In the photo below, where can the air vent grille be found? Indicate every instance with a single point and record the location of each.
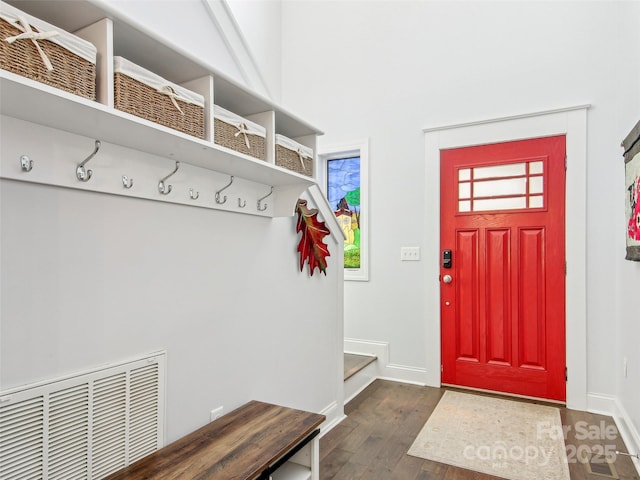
(601, 466)
(68, 433)
(21, 439)
(83, 427)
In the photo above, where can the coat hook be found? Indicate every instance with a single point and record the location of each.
(166, 189)
(242, 203)
(263, 208)
(192, 195)
(127, 182)
(82, 173)
(26, 163)
(224, 199)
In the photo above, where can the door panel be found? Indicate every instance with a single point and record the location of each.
(531, 316)
(468, 332)
(498, 328)
(502, 215)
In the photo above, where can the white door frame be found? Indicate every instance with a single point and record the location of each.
(571, 122)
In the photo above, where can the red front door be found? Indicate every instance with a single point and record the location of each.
(503, 289)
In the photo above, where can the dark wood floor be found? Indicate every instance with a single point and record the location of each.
(383, 421)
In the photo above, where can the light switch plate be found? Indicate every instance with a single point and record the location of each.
(410, 254)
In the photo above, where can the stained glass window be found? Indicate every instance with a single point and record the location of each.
(343, 193)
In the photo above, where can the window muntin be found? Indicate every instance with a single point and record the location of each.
(505, 187)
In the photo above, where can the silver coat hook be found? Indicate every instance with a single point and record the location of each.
(162, 187)
(192, 195)
(260, 207)
(127, 182)
(82, 173)
(224, 199)
(26, 163)
(242, 203)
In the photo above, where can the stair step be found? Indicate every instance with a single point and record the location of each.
(353, 363)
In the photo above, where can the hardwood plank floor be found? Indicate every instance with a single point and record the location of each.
(383, 421)
(353, 363)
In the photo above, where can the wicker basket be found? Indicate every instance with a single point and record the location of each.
(239, 134)
(72, 60)
(149, 96)
(293, 156)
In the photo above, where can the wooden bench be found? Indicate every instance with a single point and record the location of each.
(251, 442)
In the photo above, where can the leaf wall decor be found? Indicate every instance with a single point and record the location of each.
(311, 247)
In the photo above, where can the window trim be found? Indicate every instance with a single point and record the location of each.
(344, 150)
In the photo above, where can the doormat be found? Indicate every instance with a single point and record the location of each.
(504, 438)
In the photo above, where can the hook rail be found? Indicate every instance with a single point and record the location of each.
(261, 207)
(163, 188)
(224, 199)
(81, 172)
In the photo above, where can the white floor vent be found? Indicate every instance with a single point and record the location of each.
(83, 427)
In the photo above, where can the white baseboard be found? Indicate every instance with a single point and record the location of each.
(368, 347)
(405, 374)
(611, 406)
(386, 370)
(601, 404)
(628, 432)
(334, 417)
(354, 385)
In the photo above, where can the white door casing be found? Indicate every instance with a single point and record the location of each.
(572, 122)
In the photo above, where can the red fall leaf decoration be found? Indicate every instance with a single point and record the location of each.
(311, 247)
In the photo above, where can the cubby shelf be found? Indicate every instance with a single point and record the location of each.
(40, 104)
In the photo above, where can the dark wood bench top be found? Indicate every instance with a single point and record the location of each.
(237, 446)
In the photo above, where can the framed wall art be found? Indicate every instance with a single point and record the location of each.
(631, 145)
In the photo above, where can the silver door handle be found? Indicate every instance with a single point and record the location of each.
(447, 279)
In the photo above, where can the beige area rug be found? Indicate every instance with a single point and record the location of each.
(505, 438)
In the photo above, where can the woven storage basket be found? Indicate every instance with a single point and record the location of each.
(147, 95)
(239, 134)
(72, 59)
(293, 156)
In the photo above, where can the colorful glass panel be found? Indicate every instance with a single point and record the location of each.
(343, 193)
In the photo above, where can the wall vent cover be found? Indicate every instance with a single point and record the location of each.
(601, 466)
(83, 427)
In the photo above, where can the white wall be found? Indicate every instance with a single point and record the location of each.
(261, 24)
(88, 279)
(184, 23)
(628, 273)
(386, 70)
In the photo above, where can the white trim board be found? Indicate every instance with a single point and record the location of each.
(507, 118)
(386, 370)
(368, 347)
(569, 121)
(322, 204)
(237, 45)
(334, 417)
(354, 385)
(610, 405)
(628, 432)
